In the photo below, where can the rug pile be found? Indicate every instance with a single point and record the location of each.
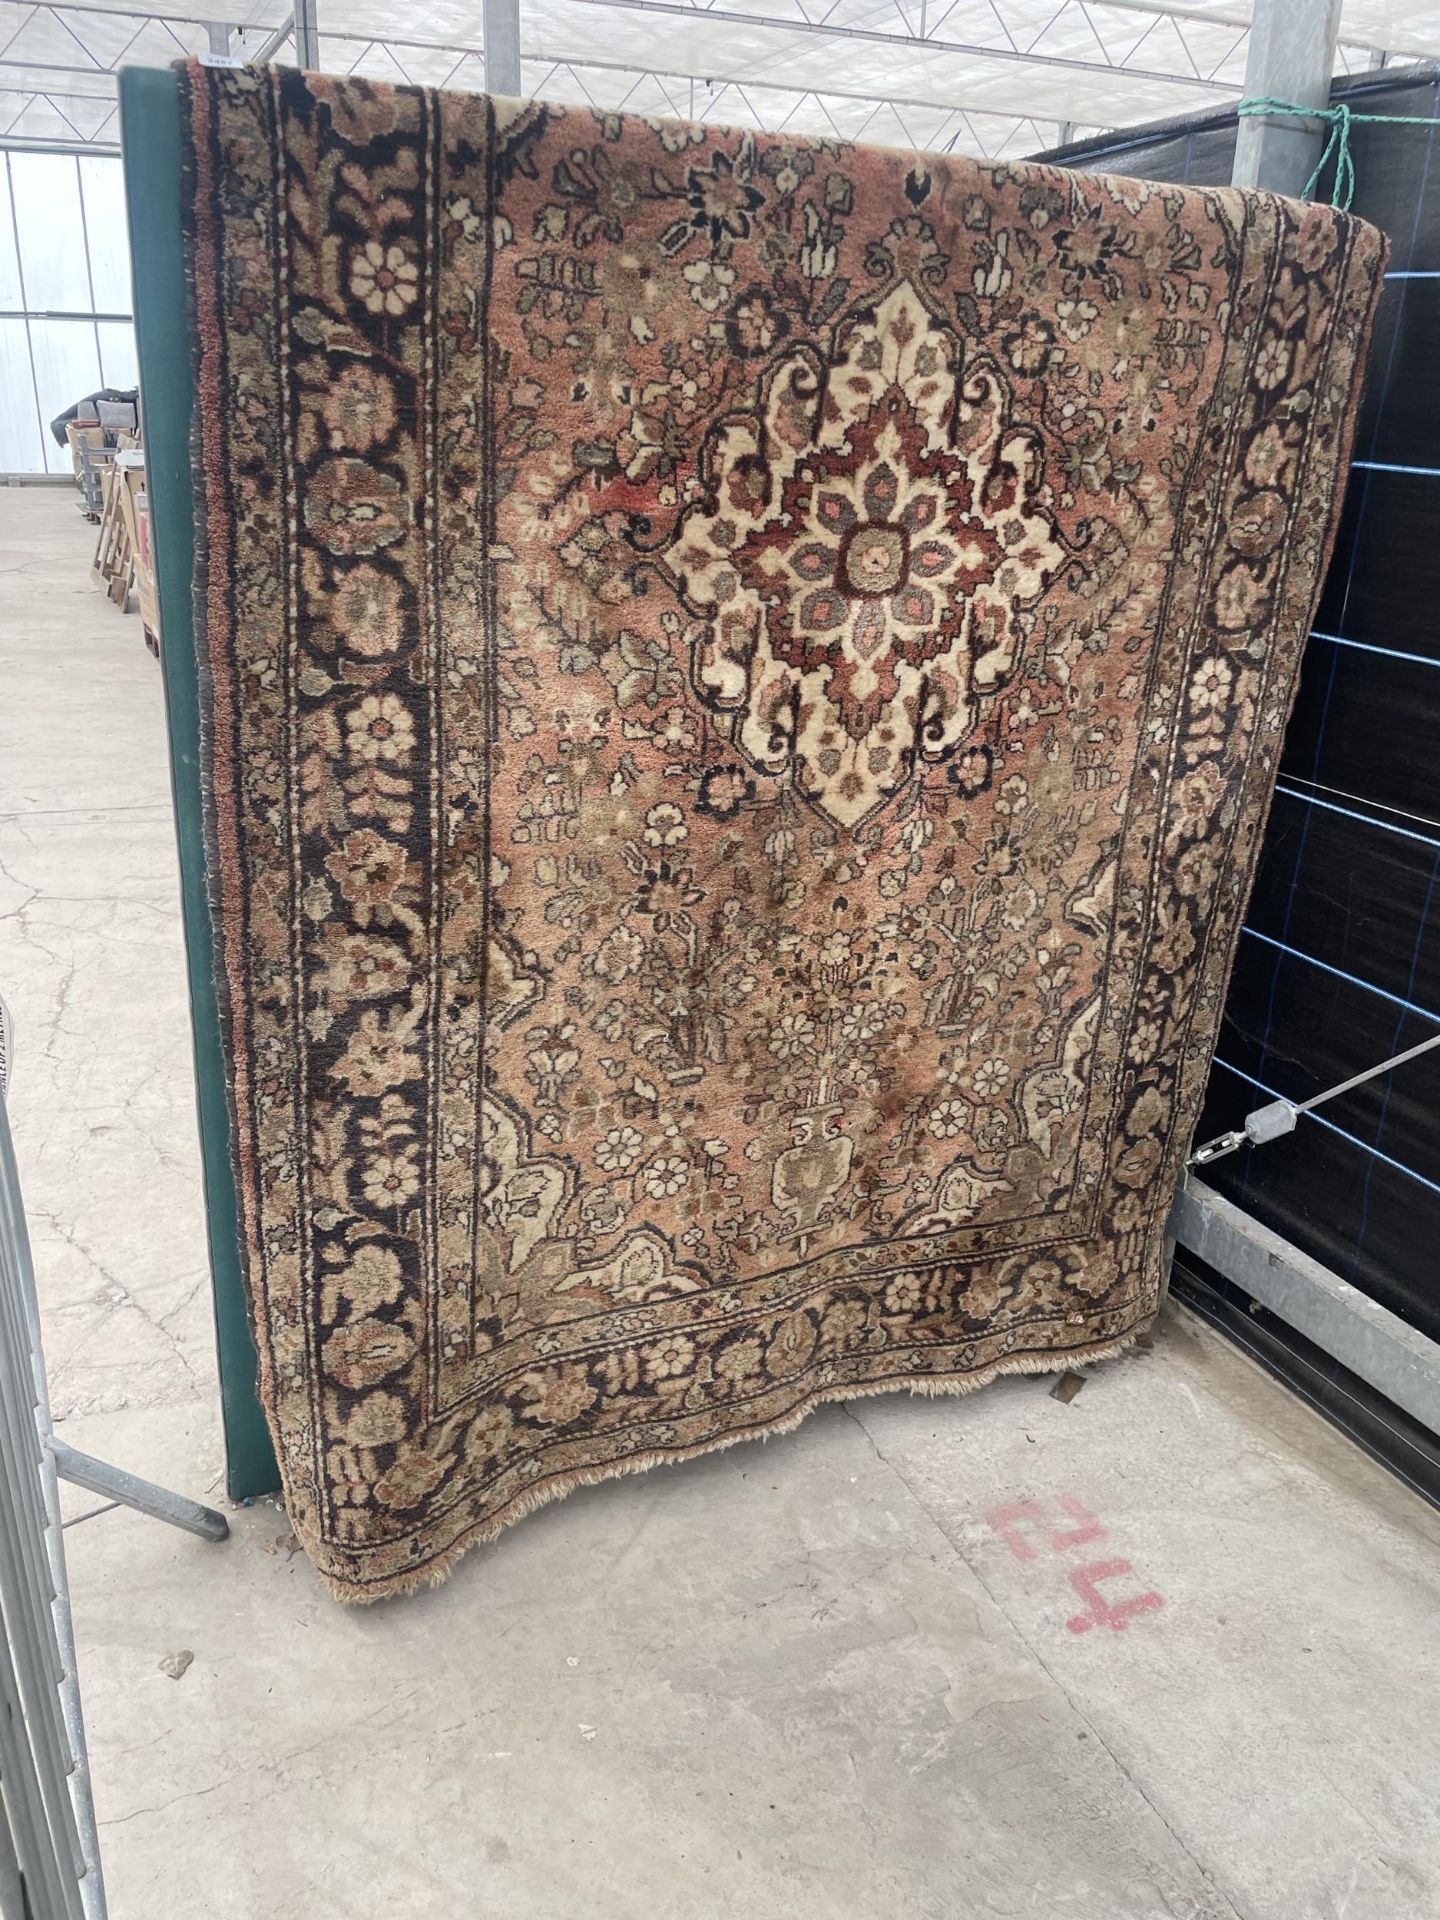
(742, 679)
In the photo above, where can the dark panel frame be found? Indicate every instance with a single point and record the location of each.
(151, 145)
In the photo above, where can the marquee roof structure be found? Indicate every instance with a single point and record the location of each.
(989, 77)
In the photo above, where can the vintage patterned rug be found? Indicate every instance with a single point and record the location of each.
(743, 677)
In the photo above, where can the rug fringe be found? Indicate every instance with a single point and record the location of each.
(440, 1566)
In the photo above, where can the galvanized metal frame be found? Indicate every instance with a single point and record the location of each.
(49, 1852)
(307, 35)
(502, 47)
(49, 1841)
(1373, 1343)
(1291, 57)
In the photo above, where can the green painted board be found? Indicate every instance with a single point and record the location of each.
(150, 138)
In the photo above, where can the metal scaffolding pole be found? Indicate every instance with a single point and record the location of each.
(307, 36)
(502, 47)
(1291, 58)
(998, 51)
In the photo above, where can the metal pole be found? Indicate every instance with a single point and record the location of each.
(272, 43)
(307, 36)
(502, 47)
(1291, 58)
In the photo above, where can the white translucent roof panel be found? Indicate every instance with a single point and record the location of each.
(988, 76)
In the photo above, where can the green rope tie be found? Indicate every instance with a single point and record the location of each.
(1340, 119)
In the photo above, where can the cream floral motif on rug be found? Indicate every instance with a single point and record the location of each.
(742, 679)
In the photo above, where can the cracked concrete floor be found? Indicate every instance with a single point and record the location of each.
(873, 1668)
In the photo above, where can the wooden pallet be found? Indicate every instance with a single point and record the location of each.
(114, 566)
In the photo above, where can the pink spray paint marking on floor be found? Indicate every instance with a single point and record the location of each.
(1009, 1521)
(1103, 1612)
(1032, 1528)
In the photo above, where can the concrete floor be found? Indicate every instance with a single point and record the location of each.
(866, 1670)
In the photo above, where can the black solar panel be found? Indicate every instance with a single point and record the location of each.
(1339, 965)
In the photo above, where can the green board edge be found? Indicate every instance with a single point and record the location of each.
(151, 147)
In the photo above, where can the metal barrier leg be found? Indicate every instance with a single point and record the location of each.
(98, 1476)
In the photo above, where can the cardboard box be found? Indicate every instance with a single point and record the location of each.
(145, 591)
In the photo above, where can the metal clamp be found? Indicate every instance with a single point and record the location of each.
(1274, 1121)
(1265, 1123)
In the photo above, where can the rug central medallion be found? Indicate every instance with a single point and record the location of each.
(858, 542)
